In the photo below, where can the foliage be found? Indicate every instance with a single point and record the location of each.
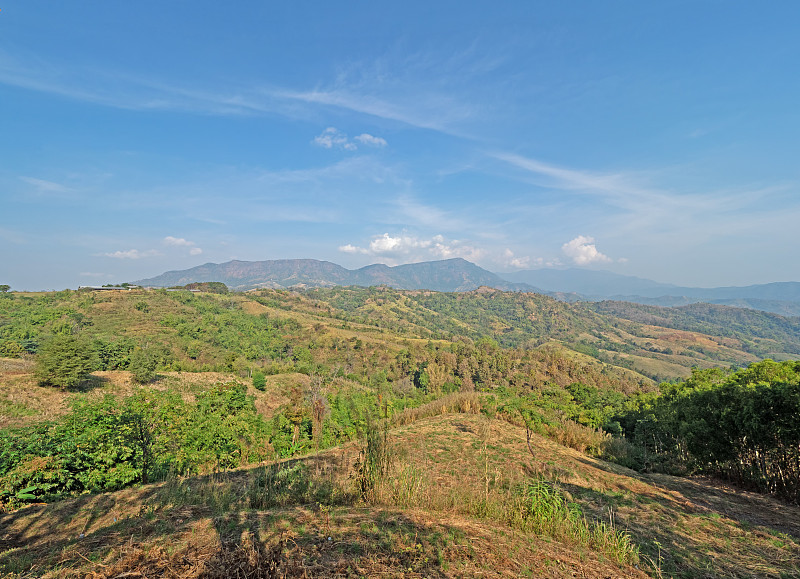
(214, 287)
(109, 444)
(64, 361)
(143, 365)
(259, 381)
(374, 460)
(743, 425)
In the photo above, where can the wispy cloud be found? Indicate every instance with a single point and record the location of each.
(398, 99)
(635, 206)
(44, 186)
(15, 237)
(131, 254)
(181, 242)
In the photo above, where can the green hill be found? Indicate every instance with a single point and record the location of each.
(262, 420)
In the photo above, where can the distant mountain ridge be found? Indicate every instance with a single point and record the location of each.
(460, 275)
(450, 275)
(581, 284)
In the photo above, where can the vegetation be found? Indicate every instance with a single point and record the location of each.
(742, 426)
(64, 361)
(105, 391)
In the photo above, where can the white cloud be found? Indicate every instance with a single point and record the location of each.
(583, 251)
(403, 244)
(367, 139)
(178, 241)
(131, 254)
(518, 262)
(181, 242)
(410, 248)
(334, 138)
(387, 245)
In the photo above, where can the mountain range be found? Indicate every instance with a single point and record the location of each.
(459, 275)
(450, 275)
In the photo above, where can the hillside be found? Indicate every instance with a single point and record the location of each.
(363, 330)
(295, 381)
(442, 510)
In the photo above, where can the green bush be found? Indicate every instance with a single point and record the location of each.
(64, 361)
(143, 365)
(259, 381)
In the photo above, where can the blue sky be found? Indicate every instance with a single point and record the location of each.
(657, 139)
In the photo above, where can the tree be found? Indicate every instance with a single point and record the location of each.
(4, 288)
(143, 365)
(64, 361)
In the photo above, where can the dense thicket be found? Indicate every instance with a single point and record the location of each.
(113, 443)
(743, 425)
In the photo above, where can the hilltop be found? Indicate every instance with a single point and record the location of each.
(445, 509)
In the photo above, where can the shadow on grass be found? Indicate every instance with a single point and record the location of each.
(92, 382)
(690, 528)
(309, 529)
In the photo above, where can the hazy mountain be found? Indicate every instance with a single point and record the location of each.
(574, 284)
(446, 275)
(589, 283)
(458, 275)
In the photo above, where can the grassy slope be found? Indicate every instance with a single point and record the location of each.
(433, 519)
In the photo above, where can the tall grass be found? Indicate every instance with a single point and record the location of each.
(457, 402)
(532, 506)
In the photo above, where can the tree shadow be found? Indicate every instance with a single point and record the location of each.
(679, 524)
(91, 382)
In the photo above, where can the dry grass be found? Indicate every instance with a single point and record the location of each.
(457, 402)
(23, 401)
(444, 512)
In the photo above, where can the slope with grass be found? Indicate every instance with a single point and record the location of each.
(462, 496)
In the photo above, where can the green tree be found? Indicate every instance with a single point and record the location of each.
(64, 361)
(259, 381)
(144, 362)
(4, 288)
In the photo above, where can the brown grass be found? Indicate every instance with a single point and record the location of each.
(441, 515)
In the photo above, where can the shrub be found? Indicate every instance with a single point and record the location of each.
(259, 381)
(64, 361)
(143, 365)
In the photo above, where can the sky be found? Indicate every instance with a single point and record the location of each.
(654, 139)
